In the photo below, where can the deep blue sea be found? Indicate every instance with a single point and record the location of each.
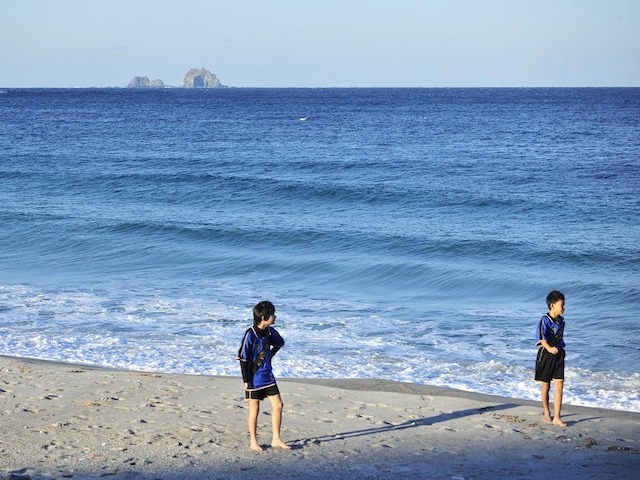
(405, 234)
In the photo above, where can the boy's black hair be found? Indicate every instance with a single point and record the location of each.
(553, 297)
(262, 310)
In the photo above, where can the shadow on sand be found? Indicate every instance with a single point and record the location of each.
(422, 422)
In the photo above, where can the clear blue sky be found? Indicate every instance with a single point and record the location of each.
(316, 43)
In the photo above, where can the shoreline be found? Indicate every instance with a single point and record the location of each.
(373, 384)
(63, 420)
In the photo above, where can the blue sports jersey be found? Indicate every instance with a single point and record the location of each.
(253, 344)
(551, 330)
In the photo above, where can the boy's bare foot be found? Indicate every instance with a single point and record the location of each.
(546, 418)
(280, 444)
(255, 447)
(558, 422)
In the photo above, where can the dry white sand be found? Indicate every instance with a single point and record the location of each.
(67, 421)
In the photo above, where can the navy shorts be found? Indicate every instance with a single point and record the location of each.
(549, 366)
(262, 393)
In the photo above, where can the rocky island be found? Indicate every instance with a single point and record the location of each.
(194, 78)
(144, 82)
(200, 78)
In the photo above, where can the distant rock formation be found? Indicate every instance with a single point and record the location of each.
(200, 78)
(195, 78)
(143, 82)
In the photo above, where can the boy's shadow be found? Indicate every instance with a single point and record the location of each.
(422, 422)
(571, 423)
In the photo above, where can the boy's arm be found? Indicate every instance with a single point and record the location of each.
(246, 372)
(277, 342)
(544, 344)
(246, 365)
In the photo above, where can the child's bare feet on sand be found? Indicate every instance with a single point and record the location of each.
(255, 447)
(280, 444)
(558, 422)
(546, 418)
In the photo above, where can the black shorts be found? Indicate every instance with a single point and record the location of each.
(262, 393)
(549, 366)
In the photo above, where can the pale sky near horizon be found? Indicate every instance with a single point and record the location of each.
(322, 43)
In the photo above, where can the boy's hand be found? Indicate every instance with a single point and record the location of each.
(553, 350)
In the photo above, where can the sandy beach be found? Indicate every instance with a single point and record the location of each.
(70, 421)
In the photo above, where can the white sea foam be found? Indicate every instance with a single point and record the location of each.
(184, 336)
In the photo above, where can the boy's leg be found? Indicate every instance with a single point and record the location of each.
(276, 420)
(557, 403)
(545, 401)
(254, 410)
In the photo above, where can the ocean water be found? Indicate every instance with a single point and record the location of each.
(406, 234)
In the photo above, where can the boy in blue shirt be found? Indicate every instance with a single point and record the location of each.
(259, 344)
(550, 359)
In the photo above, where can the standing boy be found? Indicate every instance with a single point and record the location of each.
(259, 345)
(550, 359)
